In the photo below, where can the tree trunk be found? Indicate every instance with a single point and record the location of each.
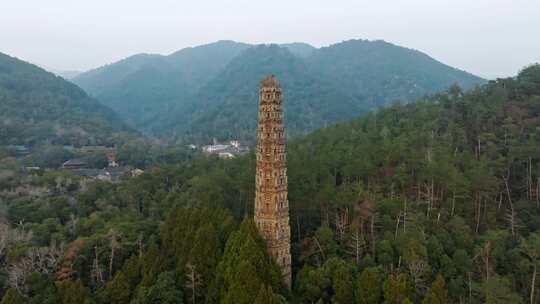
(529, 177)
(320, 248)
(487, 267)
(397, 225)
(453, 203)
(478, 202)
(140, 245)
(470, 287)
(192, 281)
(372, 231)
(404, 213)
(479, 149)
(533, 283)
(298, 227)
(538, 192)
(111, 260)
(357, 237)
(511, 205)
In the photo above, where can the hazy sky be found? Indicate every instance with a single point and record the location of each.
(486, 37)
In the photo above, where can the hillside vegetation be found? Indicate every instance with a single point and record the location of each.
(38, 107)
(208, 91)
(144, 87)
(437, 201)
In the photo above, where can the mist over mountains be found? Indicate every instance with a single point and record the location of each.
(210, 91)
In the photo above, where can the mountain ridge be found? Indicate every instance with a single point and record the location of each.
(166, 97)
(38, 107)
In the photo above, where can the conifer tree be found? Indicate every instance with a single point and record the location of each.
(267, 296)
(437, 294)
(73, 292)
(342, 280)
(164, 291)
(313, 284)
(531, 249)
(12, 297)
(117, 290)
(245, 266)
(397, 289)
(368, 290)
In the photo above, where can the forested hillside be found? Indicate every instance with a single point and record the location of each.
(432, 202)
(38, 107)
(207, 92)
(378, 73)
(144, 87)
(227, 106)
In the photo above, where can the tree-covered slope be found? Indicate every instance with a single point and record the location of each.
(437, 201)
(378, 73)
(108, 76)
(190, 95)
(143, 87)
(37, 107)
(332, 84)
(226, 107)
(300, 49)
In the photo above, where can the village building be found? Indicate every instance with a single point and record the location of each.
(19, 150)
(230, 150)
(225, 155)
(215, 148)
(112, 173)
(74, 164)
(111, 158)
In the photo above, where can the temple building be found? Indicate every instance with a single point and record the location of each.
(271, 203)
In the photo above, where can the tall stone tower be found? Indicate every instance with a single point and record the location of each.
(271, 203)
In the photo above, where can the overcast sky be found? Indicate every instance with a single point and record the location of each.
(489, 38)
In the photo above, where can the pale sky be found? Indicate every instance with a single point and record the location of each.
(489, 38)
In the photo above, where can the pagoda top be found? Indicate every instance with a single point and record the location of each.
(270, 82)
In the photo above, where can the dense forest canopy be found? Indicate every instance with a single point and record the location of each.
(206, 92)
(437, 201)
(38, 107)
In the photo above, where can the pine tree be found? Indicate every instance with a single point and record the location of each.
(267, 296)
(12, 297)
(437, 294)
(132, 271)
(73, 292)
(369, 284)
(497, 290)
(116, 291)
(313, 284)
(202, 260)
(165, 291)
(397, 289)
(245, 266)
(342, 280)
(151, 265)
(531, 249)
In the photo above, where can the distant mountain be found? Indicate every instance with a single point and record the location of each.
(39, 107)
(226, 107)
(64, 74)
(300, 49)
(144, 86)
(211, 91)
(377, 72)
